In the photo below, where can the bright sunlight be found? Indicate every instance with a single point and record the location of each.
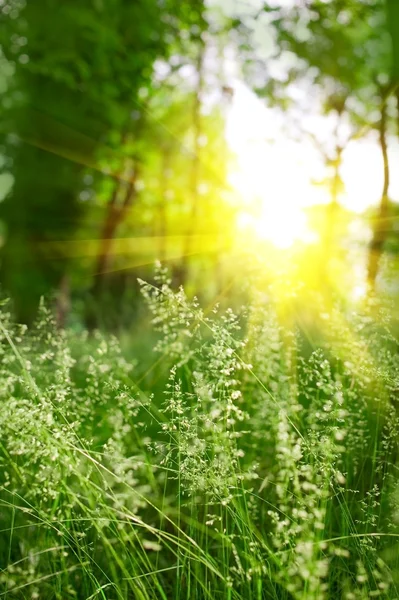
(199, 300)
(278, 179)
(272, 224)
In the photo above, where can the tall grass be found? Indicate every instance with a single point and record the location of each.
(266, 469)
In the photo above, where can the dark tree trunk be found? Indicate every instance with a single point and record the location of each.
(63, 302)
(116, 213)
(118, 207)
(195, 168)
(392, 7)
(162, 224)
(381, 223)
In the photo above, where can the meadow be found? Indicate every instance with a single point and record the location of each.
(224, 426)
(254, 462)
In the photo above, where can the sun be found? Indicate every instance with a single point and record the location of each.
(275, 192)
(282, 229)
(280, 224)
(272, 174)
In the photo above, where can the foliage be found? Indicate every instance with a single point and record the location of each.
(74, 124)
(266, 471)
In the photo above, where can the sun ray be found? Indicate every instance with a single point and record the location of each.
(63, 141)
(136, 245)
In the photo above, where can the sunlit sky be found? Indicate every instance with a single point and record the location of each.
(277, 173)
(273, 170)
(271, 166)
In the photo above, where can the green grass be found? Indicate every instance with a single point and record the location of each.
(257, 463)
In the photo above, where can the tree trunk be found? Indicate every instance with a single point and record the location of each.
(195, 166)
(63, 301)
(392, 8)
(111, 223)
(162, 225)
(116, 213)
(381, 226)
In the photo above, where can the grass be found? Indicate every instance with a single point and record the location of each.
(259, 463)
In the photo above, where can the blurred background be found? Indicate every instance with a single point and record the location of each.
(227, 139)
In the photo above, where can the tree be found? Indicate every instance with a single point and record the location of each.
(341, 49)
(80, 73)
(380, 228)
